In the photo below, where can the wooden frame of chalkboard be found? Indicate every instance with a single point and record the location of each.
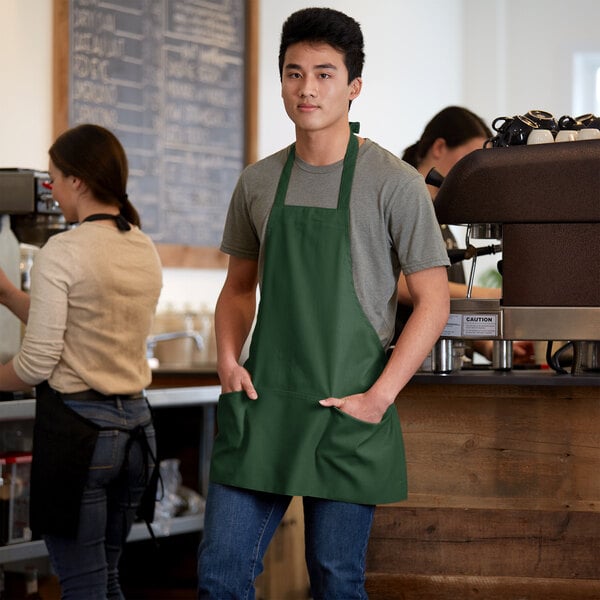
(186, 19)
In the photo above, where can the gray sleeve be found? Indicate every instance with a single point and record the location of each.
(240, 238)
(415, 230)
(250, 207)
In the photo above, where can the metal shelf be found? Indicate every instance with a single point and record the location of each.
(139, 531)
(204, 396)
(183, 396)
(22, 551)
(177, 526)
(12, 410)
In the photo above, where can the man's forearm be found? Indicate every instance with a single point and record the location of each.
(420, 333)
(429, 290)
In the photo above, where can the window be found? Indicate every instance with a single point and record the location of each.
(586, 83)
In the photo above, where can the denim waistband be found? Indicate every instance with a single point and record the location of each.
(94, 396)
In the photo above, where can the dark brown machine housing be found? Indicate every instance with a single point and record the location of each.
(547, 199)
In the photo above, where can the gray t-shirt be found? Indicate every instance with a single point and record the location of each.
(392, 222)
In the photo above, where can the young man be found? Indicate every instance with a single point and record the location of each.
(325, 226)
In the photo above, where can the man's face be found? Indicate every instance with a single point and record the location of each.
(314, 86)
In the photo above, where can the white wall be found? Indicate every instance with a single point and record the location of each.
(25, 83)
(519, 54)
(497, 57)
(407, 76)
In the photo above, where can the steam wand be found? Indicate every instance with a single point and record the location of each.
(473, 264)
(457, 254)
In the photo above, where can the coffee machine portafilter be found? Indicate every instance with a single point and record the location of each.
(543, 203)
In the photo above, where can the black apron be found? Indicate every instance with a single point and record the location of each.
(63, 447)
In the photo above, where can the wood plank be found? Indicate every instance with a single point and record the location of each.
(60, 70)
(285, 576)
(382, 586)
(516, 543)
(191, 378)
(252, 68)
(504, 496)
(509, 446)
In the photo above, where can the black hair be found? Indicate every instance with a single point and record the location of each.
(327, 26)
(456, 125)
(94, 155)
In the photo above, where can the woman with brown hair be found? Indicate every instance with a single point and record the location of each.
(448, 137)
(94, 290)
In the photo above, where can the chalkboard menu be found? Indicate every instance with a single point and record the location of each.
(167, 77)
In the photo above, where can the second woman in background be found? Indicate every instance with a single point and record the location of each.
(449, 136)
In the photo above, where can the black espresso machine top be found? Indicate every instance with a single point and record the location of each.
(26, 195)
(26, 191)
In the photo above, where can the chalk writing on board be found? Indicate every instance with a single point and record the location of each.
(168, 79)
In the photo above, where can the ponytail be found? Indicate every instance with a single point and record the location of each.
(127, 210)
(411, 155)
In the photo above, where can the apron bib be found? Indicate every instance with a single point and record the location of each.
(312, 340)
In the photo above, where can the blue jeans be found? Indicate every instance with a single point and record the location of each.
(87, 567)
(239, 525)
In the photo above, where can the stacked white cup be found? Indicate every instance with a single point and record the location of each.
(544, 136)
(540, 136)
(566, 135)
(589, 133)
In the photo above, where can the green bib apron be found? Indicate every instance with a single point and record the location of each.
(312, 340)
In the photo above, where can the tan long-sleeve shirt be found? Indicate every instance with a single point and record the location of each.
(94, 292)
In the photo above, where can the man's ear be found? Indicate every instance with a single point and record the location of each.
(355, 88)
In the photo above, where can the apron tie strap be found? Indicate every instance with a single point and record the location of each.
(138, 434)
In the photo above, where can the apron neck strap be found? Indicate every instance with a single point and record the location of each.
(120, 220)
(347, 172)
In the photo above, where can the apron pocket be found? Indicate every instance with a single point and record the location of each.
(351, 438)
(230, 417)
(366, 460)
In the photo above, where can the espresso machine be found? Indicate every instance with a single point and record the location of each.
(29, 215)
(26, 195)
(543, 203)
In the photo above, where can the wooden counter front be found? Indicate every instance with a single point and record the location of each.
(172, 378)
(504, 491)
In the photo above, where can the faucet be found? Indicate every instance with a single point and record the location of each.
(152, 340)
